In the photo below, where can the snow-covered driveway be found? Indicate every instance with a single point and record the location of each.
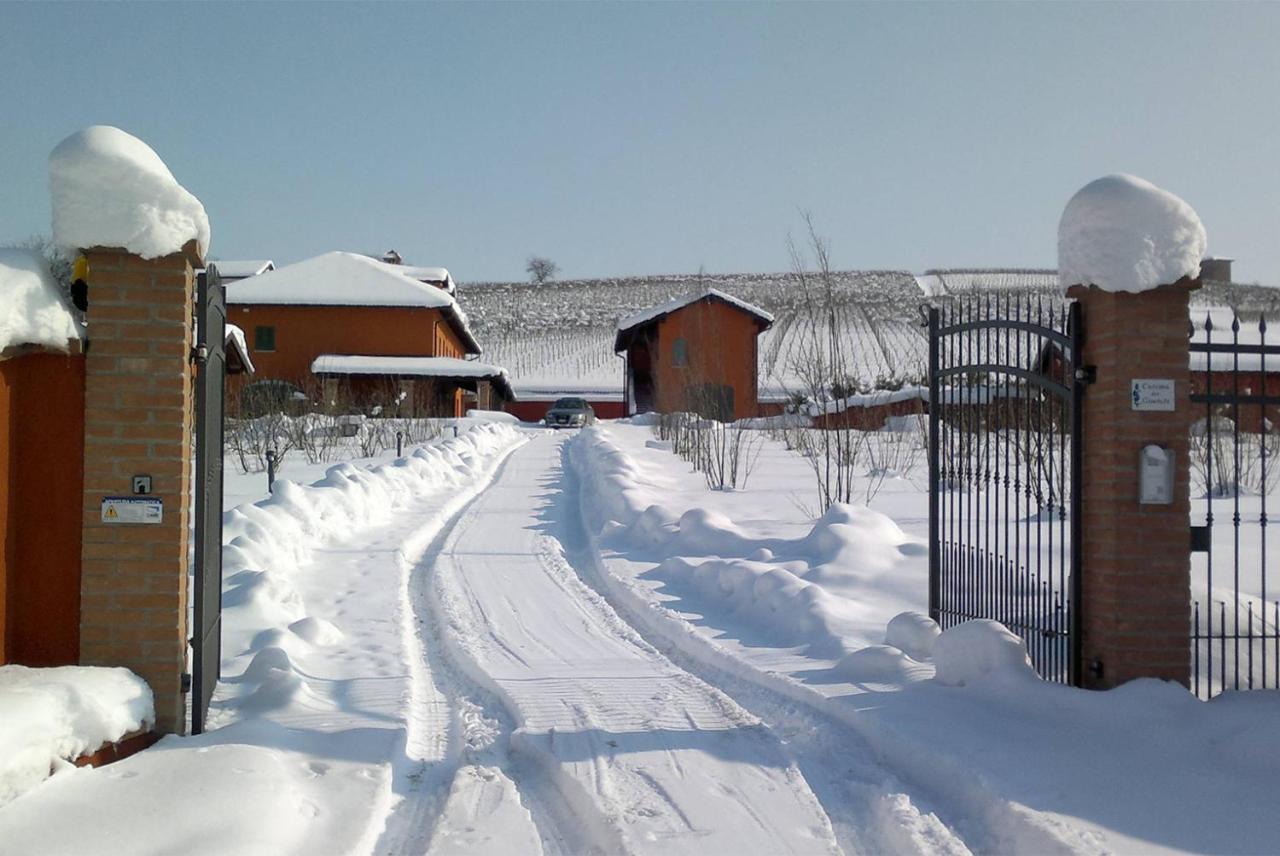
(643, 756)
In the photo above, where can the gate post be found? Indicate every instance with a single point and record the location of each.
(1135, 565)
(138, 422)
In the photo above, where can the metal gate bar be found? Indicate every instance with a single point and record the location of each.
(210, 358)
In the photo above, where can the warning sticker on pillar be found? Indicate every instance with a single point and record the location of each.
(132, 509)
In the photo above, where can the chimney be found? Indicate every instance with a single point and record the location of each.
(391, 257)
(1215, 269)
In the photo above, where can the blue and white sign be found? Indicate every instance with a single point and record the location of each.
(1152, 394)
(132, 509)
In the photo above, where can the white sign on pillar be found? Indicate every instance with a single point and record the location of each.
(1152, 394)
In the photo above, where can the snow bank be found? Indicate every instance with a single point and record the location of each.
(808, 591)
(979, 649)
(110, 189)
(32, 311)
(1122, 233)
(51, 716)
(493, 416)
(264, 543)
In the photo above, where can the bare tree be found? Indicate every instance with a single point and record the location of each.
(541, 269)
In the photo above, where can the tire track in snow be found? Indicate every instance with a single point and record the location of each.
(871, 810)
(625, 735)
(451, 744)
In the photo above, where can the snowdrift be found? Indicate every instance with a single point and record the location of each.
(811, 591)
(50, 717)
(266, 542)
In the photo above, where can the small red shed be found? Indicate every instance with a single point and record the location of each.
(696, 353)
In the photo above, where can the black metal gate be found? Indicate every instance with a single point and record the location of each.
(1235, 631)
(1004, 466)
(210, 358)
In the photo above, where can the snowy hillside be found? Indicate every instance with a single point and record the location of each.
(559, 336)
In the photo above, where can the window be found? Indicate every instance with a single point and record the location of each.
(679, 353)
(264, 338)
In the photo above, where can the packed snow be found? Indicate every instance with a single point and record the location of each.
(1122, 233)
(110, 189)
(49, 717)
(32, 309)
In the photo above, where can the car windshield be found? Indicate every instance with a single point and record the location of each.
(570, 404)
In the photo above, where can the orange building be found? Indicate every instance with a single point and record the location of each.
(697, 353)
(346, 307)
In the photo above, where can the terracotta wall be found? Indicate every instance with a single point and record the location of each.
(41, 480)
(721, 349)
(305, 332)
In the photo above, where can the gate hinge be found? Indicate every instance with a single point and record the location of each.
(186, 682)
(200, 354)
(1087, 374)
(1201, 539)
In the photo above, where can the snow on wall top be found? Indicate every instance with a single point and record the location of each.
(32, 311)
(110, 189)
(1122, 233)
(348, 364)
(646, 315)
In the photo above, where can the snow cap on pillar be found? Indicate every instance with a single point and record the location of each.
(110, 189)
(1122, 233)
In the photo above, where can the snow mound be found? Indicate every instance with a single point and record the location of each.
(49, 716)
(493, 416)
(1122, 233)
(912, 633)
(110, 189)
(317, 631)
(32, 311)
(880, 665)
(979, 649)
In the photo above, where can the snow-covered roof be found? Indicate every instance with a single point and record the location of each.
(236, 341)
(426, 274)
(422, 366)
(347, 279)
(110, 189)
(394, 366)
(1121, 233)
(239, 269)
(653, 313)
(32, 309)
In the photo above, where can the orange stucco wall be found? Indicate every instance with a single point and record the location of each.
(721, 349)
(41, 482)
(305, 332)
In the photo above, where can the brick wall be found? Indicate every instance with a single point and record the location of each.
(138, 421)
(1136, 559)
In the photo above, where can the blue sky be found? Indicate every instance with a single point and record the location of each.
(658, 138)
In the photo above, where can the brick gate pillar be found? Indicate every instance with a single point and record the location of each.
(138, 421)
(1136, 565)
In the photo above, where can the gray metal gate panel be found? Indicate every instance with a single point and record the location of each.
(210, 357)
(1235, 629)
(1005, 387)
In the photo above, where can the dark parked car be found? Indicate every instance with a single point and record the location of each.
(569, 413)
